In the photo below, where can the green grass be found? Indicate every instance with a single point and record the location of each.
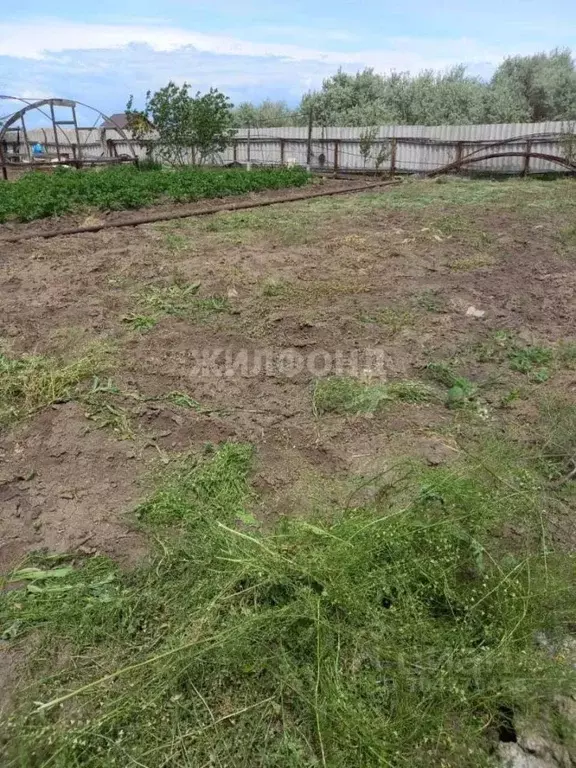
(180, 300)
(566, 354)
(461, 391)
(346, 395)
(533, 361)
(386, 635)
(283, 225)
(140, 322)
(30, 383)
(431, 301)
(272, 287)
(210, 485)
(37, 195)
(393, 318)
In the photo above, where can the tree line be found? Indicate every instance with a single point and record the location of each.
(523, 89)
(178, 128)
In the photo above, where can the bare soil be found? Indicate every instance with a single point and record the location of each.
(334, 276)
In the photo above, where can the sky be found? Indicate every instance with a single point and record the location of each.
(100, 53)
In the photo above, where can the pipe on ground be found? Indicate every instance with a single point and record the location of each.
(150, 218)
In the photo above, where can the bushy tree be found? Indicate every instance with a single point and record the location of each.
(523, 89)
(268, 114)
(536, 88)
(183, 128)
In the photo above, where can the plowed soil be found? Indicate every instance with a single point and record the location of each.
(425, 272)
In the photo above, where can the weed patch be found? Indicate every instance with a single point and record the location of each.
(532, 361)
(461, 391)
(140, 322)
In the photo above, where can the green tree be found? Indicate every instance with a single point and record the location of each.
(523, 89)
(268, 114)
(182, 128)
(535, 88)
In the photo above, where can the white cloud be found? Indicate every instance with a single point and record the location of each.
(40, 38)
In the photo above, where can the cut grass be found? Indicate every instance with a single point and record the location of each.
(346, 395)
(389, 635)
(180, 300)
(29, 383)
(212, 484)
(393, 318)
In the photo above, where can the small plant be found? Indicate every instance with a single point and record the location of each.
(532, 361)
(182, 400)
(371, 148)
(140, 322)
(431, 301)
(175, 242)
(496, 347)
(507, 400)
(461, 391)
(474, 262)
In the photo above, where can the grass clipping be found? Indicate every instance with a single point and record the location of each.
(32, 382)
(381, 637)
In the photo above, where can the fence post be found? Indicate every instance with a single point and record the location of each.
(3, 160)
(336, 156)
(526, 166)
(248, 158)
(309, 145)
(234, 151)
(459, 151)
(282, 159)
(393, 148)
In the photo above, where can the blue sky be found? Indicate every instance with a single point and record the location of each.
(255, 49)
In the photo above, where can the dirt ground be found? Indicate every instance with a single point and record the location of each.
(425, 272)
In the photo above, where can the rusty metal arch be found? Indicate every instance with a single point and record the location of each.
(477, 158)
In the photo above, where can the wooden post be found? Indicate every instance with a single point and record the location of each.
(282, 150)
(248, 158)
(336, 156)
(459, 150)
(393, 152)
(309, 145)
(526, 166)
(3, 146)
(234, 151)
